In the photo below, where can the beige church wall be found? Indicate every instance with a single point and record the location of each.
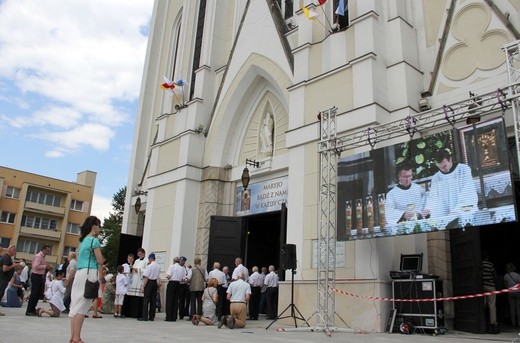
(434, 13)
(334, 90)
(161, 217)
(168, 157)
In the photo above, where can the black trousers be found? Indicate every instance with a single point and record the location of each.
(149, 299)
(221, 291)
(225, 303)
(37, 288)
(272, 302)
(196, 303)
(172, 300)
(183, 296)
(254, 304)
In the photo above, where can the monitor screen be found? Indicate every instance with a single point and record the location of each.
(411, 263)
(451, 179)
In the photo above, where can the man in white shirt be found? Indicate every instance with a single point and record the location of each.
(175, 274)
(221, 279)
(184, 293)
(239, 268)
(271, 281)
(150, 281)
(256, 280)
(406, 200)
(238, 294)
(452, 189)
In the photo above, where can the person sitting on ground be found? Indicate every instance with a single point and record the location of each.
(209, 304)
(56, 291)
(109, 295)
(14, 292)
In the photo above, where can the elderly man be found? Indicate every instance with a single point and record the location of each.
(406, 200)
(256, 280)
(239, 268)
(6, 270)
(175, 274)
(238, 294)
(70, 273)
(271, 281)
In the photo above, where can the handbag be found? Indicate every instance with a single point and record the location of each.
(91, 288)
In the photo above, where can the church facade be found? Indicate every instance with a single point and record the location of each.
(243, 84)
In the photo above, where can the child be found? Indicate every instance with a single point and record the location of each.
(121, 289)
(15, 289)
(57, 290)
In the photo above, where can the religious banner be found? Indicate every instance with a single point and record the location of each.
(261, 197)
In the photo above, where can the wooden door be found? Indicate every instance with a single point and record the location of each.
(226, 241)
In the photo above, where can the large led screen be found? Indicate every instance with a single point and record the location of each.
(453, 179)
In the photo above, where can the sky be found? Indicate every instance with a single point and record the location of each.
(70, 76)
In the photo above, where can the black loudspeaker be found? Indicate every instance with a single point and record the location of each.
(288, 257)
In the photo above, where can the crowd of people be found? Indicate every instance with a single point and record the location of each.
(217, 297)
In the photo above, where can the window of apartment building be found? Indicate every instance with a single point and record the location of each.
(43, 198)
(39, 222)
(76, 205)
(286, 9)
(12, 192)
(68, 250)
(341, 21)
(7, 217)
(73, 228)
(29, 246)
(4, 242)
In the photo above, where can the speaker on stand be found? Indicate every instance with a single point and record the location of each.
(288, 261)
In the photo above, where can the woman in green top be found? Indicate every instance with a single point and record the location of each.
(89, 258)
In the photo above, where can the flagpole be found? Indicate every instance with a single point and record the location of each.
(326, 17)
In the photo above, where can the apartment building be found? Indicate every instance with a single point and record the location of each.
(37, 210)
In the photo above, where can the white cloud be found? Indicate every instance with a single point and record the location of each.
(101, 207)
(83, 58)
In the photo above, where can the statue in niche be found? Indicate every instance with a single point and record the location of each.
(266, 135)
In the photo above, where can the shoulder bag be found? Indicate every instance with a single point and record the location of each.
(91, 288)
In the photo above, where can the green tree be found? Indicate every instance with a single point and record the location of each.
(111, 231)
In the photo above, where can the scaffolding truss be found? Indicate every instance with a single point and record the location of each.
(331, 146)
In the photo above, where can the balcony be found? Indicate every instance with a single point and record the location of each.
(42, 208)
(52, 235)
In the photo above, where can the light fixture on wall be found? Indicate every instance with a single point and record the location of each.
(245, 173)
(245, 178)
(138, 202)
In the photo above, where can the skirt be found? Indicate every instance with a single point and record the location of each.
(78, 303)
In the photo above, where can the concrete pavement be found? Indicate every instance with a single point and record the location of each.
(16, 327)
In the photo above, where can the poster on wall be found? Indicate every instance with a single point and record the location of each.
(452, 179)
(261, 197)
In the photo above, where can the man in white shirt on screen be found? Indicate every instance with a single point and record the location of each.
(452, 189)
(406, 200)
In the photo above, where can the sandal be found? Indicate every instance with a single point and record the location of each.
(96, 316)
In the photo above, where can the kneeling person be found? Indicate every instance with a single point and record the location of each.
(238, 293)
(57, 291)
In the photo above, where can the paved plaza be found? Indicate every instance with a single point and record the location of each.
(15, 327)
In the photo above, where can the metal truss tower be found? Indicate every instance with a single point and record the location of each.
(512, 51)
(331, 146)
(327, 224)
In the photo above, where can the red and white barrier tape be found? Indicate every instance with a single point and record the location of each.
(471, 296)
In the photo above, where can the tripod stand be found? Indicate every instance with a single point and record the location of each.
(291, 306)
